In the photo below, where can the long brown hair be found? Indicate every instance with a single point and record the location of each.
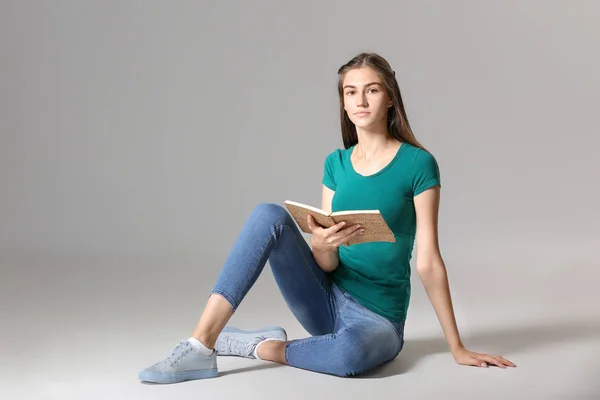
(397, 121)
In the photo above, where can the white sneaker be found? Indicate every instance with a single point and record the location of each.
(183, 364)
(237, 342)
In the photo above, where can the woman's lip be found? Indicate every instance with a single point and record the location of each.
(362, 113)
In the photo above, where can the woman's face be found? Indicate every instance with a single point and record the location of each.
(365, 99)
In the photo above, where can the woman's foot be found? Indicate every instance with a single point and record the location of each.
(186, 362)
(241, 343)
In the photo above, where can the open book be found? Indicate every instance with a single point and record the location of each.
(376, 229)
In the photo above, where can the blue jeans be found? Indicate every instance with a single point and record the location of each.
(347, 338)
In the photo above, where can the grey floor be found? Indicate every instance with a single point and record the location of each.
(83, 328)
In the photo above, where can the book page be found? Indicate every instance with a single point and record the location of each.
(300, 212)
(354, 212)
(311, 208)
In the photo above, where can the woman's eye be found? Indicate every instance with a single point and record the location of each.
(351, 92)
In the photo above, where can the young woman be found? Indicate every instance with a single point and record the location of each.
(352, 299)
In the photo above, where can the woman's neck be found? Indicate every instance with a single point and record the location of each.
(372, 144)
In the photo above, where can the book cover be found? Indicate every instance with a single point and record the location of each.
(376, 229)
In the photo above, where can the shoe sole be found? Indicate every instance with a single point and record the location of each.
(175, 377)
(271, 329)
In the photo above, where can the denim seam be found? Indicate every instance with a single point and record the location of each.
(316, 339)
(362, 310)
(329, 338)
(230, 299)
(308, 261)
(328, 293)
(285, 353)
(262, 254)
(367, 313)
(341, 306)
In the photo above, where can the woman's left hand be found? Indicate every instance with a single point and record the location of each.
(465, 357)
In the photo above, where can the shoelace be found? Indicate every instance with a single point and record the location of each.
(181, 350)
(241, 348)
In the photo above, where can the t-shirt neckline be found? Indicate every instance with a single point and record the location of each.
(382, 170)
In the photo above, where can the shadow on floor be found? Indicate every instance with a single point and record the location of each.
(256, 367)
(262, 365)
(505, 342)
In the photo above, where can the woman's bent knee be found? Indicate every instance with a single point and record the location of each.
(271, 212)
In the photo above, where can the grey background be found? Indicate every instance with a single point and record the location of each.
(136, 137)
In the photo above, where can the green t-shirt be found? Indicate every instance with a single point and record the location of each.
(377, 274)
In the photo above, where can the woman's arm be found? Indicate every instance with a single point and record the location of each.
(327, 259)
(432, 272)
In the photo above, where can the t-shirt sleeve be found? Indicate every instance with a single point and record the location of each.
(329, 172)
(426, 173)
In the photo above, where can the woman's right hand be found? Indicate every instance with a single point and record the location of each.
(332, 237)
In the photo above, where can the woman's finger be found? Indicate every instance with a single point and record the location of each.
(342, 237)
(493, 361)
(335, 228)
(504, 361)
(477, 362)
(353, 230)
(357, 230)
(311, 223)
